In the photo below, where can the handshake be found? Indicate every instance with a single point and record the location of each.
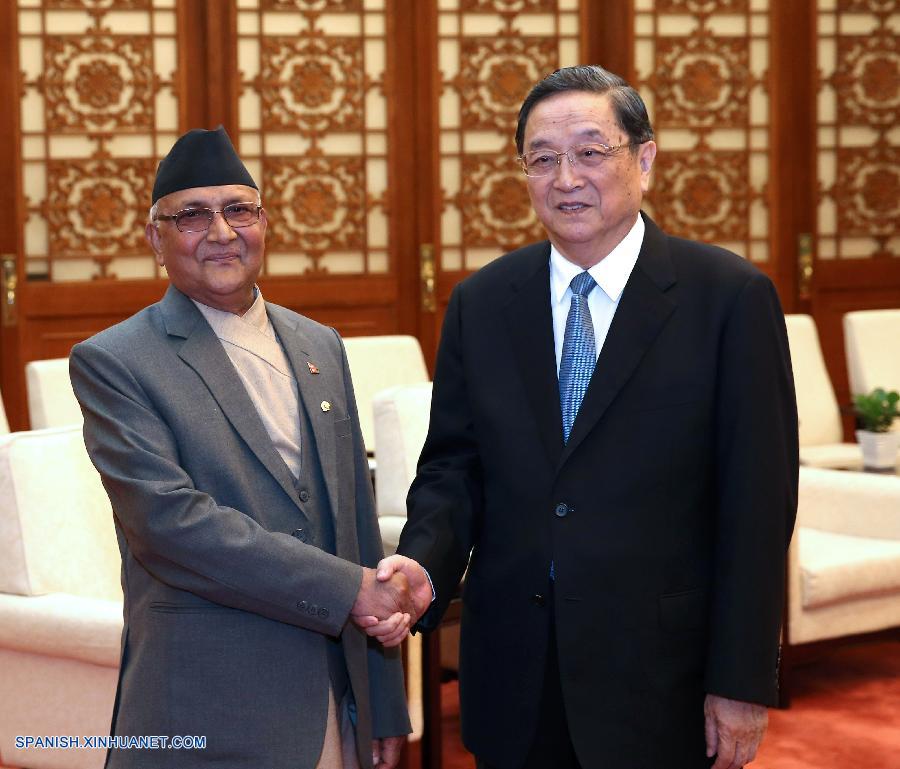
(391, 599)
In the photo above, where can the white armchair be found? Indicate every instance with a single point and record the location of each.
(872, 344)
(379, 362)
(843, 563)
(51, 400)
(400, 425)
(844, 560)
(821, 432)
(61, 602)
(60, 598)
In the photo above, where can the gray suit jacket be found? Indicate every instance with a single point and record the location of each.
(227, 615)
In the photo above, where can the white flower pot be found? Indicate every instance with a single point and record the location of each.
(879, 449)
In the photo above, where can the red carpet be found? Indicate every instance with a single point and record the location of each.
(845, 714)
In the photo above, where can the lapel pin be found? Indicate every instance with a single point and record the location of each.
(313, 368)
(325, 405)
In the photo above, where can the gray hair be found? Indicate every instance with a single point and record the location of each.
(627, 104)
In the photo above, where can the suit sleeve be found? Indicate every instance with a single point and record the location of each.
(387, 695)
(756, 496)
(180, 534)
(445, 501)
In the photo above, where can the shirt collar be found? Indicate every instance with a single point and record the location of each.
(256, 316)
(611, 273)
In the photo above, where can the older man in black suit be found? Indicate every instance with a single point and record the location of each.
(613, 439)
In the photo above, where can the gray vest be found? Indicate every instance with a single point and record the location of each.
(313, 496)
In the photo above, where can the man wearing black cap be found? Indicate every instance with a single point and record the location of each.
(226, 434)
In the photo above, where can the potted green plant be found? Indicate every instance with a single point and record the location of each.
(875, 412)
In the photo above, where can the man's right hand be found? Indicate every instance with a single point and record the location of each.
(419, 584)
(384, 607)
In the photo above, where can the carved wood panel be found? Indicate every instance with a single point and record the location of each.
(313, 118)
(858, 121)
(703, 69)
(490, 53)
(98, 107)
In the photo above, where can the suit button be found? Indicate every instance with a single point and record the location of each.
(300, 534)
(304, 495)
(562, 510)
(538, 600)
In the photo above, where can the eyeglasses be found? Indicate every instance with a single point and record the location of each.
(544, 162)
(200, 219)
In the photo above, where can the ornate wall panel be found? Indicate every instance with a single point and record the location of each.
(98, 109)
(313, 118)
(702, 67)
(858, 117)
(490, 53)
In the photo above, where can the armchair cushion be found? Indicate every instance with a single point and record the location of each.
(872, 344)
(56, 531)
(379, 362)
(51, 399)
(817, 406)
(401, 424)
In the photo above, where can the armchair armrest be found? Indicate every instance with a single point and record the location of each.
(62, 625)
(849, 503)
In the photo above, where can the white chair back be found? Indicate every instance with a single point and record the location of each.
(401, 424)
(872, 344)
(56, 525)
(379, 362)
(51, 400)
(817, 406)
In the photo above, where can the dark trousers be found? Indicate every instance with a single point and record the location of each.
(552, 746)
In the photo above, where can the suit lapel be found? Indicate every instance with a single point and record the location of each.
(203, 352)
(643, 311)
(529, 323)
(314, 389)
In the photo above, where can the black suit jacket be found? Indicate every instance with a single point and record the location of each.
(667, 515)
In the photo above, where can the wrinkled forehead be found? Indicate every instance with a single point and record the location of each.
(574, 116)
(208, 197)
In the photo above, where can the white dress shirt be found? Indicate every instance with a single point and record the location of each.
(610, 273)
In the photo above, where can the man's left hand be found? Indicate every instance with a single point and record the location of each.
(389, 632)
(386, 751)
(734, 730)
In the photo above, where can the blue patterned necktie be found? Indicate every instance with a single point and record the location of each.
(579, 352)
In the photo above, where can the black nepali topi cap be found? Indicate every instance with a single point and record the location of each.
(200, 158)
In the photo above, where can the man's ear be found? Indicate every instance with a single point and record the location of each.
(646, 156)
(263, 219)
(154, 239)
